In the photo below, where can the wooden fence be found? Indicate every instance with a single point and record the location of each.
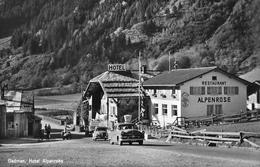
(217, 119)
(213, 138)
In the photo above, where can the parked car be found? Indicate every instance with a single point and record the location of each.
(126, 133)
(100, 133)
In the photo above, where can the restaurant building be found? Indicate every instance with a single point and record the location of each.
(194, 92)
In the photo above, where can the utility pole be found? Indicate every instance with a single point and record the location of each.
(169, 61)
(139, 87)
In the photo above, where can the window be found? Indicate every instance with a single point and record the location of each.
(10, 120)
(164, 109)
(218, 109)
(214, 78)
(214, 90)
(114, 110)
(156, 108)
(174, 110)
(210, 110)
(214, 109)
(231, 90)
(197, 90)
(154, 93)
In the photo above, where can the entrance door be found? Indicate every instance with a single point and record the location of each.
(30, 128)
(214, 109)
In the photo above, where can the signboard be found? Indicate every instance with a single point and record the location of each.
(116, 67)
(219, 85)
(127, 118)
(94, 123)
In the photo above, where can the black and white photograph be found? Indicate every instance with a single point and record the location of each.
(130, 83)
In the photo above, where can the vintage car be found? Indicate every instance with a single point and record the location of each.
(126, 133)
(100, 133)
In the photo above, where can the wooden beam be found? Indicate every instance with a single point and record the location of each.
(251, 143)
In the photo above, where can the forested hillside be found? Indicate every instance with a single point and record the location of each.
(62, 42)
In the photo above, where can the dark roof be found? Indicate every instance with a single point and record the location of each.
(179, 76)
(252, 76)
(175, 77)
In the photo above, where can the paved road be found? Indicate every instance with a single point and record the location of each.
(85, 152)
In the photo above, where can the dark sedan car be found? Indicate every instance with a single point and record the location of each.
(126, 133)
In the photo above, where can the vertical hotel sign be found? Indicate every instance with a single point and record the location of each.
(116, 67)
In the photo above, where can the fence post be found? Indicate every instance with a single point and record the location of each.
(241, 138)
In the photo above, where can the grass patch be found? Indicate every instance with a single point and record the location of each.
(57, 114)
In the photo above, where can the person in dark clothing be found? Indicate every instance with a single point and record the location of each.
(49, 131)
(41, 134)
(46, 131)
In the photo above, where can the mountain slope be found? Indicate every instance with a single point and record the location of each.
(67, 42)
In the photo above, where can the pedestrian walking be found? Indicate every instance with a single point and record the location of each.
(46, 131)
(49, 131)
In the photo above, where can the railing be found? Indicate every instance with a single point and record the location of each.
(216, 119)
(209, 138)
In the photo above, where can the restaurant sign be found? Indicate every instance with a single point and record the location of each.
(116, 67)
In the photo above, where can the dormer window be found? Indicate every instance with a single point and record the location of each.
(214, 78)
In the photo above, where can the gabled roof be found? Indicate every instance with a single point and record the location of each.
(179, 76)
(252, 76)
(109, 76)
(114, 84)
(175, 77)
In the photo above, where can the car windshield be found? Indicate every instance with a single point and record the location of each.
(101, 129)
(127, 126)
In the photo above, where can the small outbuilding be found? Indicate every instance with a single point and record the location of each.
(17, 117)
(253, 101)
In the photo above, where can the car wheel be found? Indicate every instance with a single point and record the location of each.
(111, 142)
(140, 142)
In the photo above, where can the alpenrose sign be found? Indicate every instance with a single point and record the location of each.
(116, 67)
(214, 99)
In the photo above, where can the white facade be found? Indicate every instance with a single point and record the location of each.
(101, 115)
(227, 103)
(161, 101)
(213, 93)
(253, 101)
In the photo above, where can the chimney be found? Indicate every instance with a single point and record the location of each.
(143, 69)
